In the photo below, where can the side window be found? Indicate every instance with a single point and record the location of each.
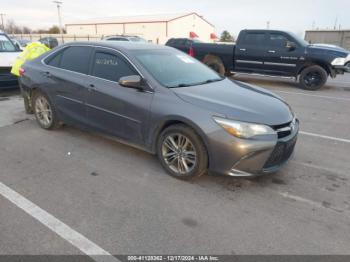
(111, 67)
(76, 58)
(253, 39)
(278, 40)
(54, 60)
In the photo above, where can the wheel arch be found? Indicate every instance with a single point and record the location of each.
(324, 65)
(174, 120)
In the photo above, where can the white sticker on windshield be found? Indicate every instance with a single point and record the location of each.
(186, 59)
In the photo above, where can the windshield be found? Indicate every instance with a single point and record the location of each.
(175, 69)
(6, 45)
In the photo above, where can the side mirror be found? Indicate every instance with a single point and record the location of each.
(133, 81)
(291, 46)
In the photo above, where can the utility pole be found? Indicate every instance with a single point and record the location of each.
(335, 23)
(268, 25)
(58, 4)
(2, 22)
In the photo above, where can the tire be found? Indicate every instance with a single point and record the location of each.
(313, 78)
(192, 152)
(44, 111)
(27, 107)
(215, 63)
(348, 65)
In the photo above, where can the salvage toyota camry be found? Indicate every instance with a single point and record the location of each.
(164, 101)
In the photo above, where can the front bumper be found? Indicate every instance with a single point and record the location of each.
(7, 80)
(341, 69)
(247, 158)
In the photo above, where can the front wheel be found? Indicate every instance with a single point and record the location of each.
(44, 111)
(313, 78)
(182, 152)
(348, 65)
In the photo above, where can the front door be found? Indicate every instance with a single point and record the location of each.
(281, 59)
(111, 108)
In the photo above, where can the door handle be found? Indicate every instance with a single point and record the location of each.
(243, 49)
(91, 88)
(47, 74)
(272, 51)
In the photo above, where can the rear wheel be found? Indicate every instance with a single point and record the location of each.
(313, 78)
(182, 152)
(215, 63)
(44, 111)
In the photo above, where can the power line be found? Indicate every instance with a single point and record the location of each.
(2, 21)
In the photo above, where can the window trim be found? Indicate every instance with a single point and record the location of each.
(94, 46)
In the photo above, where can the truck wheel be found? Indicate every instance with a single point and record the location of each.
(313, 78)
(215, 63)
(348, 65)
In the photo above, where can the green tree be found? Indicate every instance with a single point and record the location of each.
(226, 37)
(54, 30)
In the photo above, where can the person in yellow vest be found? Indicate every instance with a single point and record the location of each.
(31, 51)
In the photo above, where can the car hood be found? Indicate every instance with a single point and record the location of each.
(335, 51)
(8, 58)
(238, 101)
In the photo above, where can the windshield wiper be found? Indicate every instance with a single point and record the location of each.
(197, 84)
(181, 85)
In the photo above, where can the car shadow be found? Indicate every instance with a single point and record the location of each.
(281, 82)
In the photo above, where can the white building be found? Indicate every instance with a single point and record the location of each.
(156, 28)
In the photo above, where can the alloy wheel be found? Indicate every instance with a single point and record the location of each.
(179, 153)
(43, 111)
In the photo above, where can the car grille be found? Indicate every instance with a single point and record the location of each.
(281, 153)
(283, 130)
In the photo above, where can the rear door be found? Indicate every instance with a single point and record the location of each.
(250, 52)
(111, 108)
(280, 59)
(65, 75)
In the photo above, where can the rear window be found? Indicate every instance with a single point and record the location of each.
(74, 58)
(117, 39)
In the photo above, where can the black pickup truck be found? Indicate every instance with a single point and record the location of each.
(270, 52)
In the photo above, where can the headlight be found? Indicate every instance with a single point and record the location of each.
(339, 61)
(242, 129)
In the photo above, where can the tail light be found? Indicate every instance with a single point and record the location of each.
(21, 72)
(191, 52)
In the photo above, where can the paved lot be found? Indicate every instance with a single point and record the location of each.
(120, 200)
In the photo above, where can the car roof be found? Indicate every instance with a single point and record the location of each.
(123, 46)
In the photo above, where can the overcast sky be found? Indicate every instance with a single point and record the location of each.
(233, 15)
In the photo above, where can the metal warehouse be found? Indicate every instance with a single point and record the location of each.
(334, 37)
(155, 28)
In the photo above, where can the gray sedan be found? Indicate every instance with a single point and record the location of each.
(165, 102)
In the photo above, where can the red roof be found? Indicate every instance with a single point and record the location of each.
(213, 36)
(193, 35)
